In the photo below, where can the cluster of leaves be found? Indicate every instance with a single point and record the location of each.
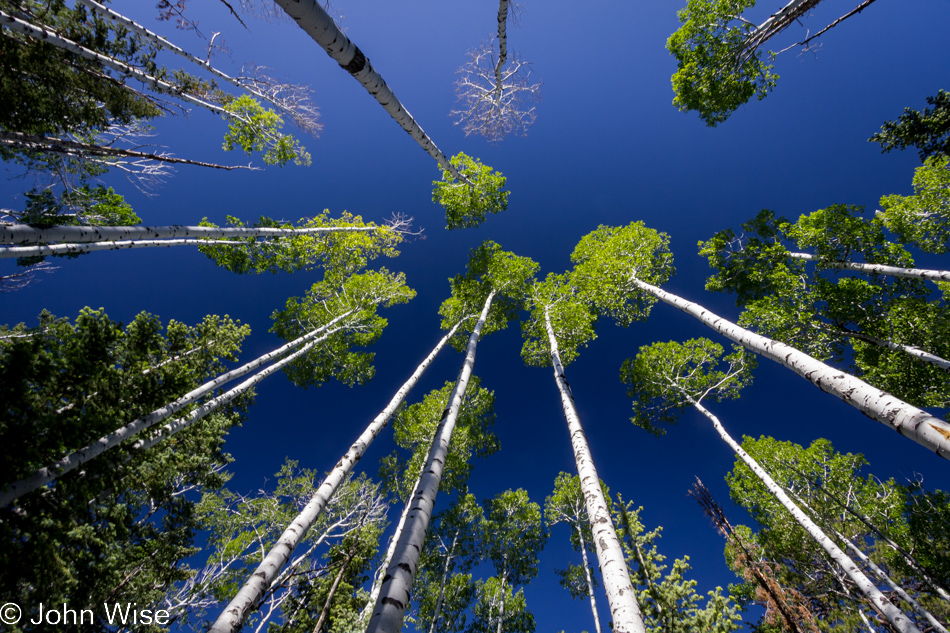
(257, 129)
(928, 131)
(119, 529)
(867, 320)
(467, 204)
(716, 70)
(339, 253)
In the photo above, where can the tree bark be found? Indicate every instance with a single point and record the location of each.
(311, 17)
(21, 234)
(394, 596)
(232, 617)
(776, 23)
(881, 604)
(590, 582)
(620, 594)
(879, 269)
(72, 461)
(55, 145)
(916, 424)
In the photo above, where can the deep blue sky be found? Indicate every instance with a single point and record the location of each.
(608, 148)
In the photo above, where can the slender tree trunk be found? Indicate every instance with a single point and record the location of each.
(590, 581)
(620, 594)
(501, 608)
(336, 583)
(916, 424)
(311, 17)
(169, 429)
(394, 596)
(232, 617)
(72, 461)
(21, 234)
(66, 147)
(437, 613)
(911, 350)
(878, 269)
(881, 604)
(390, 550)
(164, 43)
(44, 35)
(80, 249)
(893, 585)
(502, 42)
(647, 580)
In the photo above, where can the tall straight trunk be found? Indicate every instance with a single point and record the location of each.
(892, 584)
(170, 428)
(620, 594)
(501, 608)
(312, 18)
(590, 581)
(20, 234)
(325, 612)
(390, 550)
(79, 249)
(52, 144)
(446, 568)
(881, 604)
(911, 350)
(44, 35)
(72, 461)
(164, 43)
(878, 269)
(502, 41)
(397, 584)
(247, 598)
(916, 424)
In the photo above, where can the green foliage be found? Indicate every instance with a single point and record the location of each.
(567, 505)
(119, 529)
(486, 613)
(666, 378)
(256, 129)
(467, 205)
(717, 69)
(59, 93)
(923, 219)
(349, 309)
(668, 600)
(340, 253)
(443, 590)
(571, 319)
(928, 131)
(415, 426)
(513, 536)
(87, 206)
(489, 270)
(608, 261)
(824, 482)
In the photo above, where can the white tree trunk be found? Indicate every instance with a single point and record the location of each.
(44, 35)
(232, 617)
(72, 461)
(881, 604)
(880, 269)
(19, 234)
(916, 424)
(916, 352)
(893, 585)
(777, 22)
(390, 550)
(621, 597)
(312, 18)
(590, 581)
(79, 249)
(394, 595)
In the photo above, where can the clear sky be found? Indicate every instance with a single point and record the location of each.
(608, 148)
